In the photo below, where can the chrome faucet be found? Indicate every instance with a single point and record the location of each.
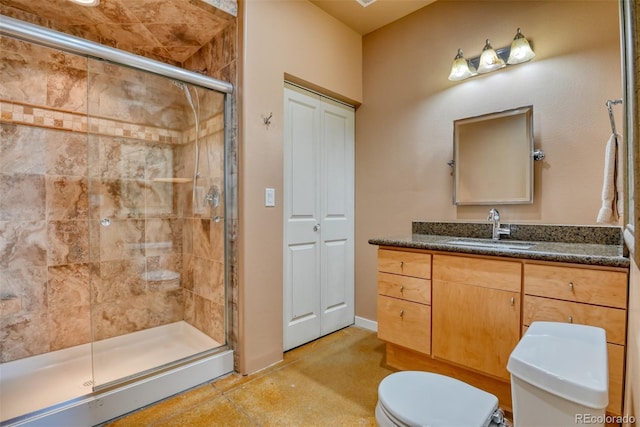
(213, 197)
(494, 217)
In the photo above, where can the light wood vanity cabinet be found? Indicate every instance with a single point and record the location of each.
(462, 315)
(476, 312)
(588, 296)
(404, 298)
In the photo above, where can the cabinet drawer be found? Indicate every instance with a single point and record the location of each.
(488, 273)
(600, 287)
(413, 264)
(612, 320)
(405, 287)
(615, 354)
(404, 323)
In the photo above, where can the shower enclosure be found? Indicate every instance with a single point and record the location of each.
(113, 265)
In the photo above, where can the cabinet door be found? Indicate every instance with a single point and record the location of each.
(474, 326)
(615, 353)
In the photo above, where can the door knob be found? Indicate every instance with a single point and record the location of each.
(316, 227)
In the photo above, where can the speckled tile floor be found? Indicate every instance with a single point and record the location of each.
(332, 381)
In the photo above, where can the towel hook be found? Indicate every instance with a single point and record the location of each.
(267, 120)
(609, 104)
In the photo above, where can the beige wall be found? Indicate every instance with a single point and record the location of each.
(296, 38)
(404, 127)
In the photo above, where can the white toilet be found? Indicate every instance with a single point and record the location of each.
(558, 373)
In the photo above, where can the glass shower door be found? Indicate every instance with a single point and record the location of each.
(157, 238)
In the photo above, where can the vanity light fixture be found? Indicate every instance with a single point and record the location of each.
(492, 59)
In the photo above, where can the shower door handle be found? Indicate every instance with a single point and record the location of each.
(213, 197)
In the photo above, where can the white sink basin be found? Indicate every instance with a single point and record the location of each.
(491, 244)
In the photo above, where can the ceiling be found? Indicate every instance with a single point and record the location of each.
(367, 19)
(173, 30)
(169, 30)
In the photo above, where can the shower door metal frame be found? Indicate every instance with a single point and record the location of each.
(57, 40)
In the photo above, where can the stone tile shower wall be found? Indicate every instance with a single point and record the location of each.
(204, 239)
(69, 157)
(218, 59)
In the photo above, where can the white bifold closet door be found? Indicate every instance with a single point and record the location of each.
(318, 216)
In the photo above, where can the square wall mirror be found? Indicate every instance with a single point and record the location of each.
(493, 158)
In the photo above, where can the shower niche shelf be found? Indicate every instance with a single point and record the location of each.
(10, 304)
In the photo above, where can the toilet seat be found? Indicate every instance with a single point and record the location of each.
(414, 398)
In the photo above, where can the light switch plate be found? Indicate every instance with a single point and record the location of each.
(269, 197)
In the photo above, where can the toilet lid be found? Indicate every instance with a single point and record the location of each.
(426, 399)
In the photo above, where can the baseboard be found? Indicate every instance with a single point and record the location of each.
(367, 324)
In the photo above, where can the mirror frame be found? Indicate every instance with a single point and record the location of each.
(525, 138)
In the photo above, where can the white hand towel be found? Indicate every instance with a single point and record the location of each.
(619, 202)
(612, 186)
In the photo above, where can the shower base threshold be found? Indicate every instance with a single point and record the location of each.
(55, 389)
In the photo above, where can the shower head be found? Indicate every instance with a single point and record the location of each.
(177, 83)
(187, 93)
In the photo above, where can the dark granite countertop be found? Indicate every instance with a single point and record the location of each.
(602, 246)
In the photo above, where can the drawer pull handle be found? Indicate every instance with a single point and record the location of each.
(401, 288)
(401, 313)
(401, 265)
(571, 286)
(570, 319)
(513, 301)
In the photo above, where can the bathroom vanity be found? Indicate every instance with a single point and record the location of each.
(452, 302)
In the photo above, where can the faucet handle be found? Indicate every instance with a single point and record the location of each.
(494, 215)
(505, 231)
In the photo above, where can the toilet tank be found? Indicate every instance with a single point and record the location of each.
(559, 375)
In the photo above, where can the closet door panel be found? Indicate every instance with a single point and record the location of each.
(337, 212)
(301, 299)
